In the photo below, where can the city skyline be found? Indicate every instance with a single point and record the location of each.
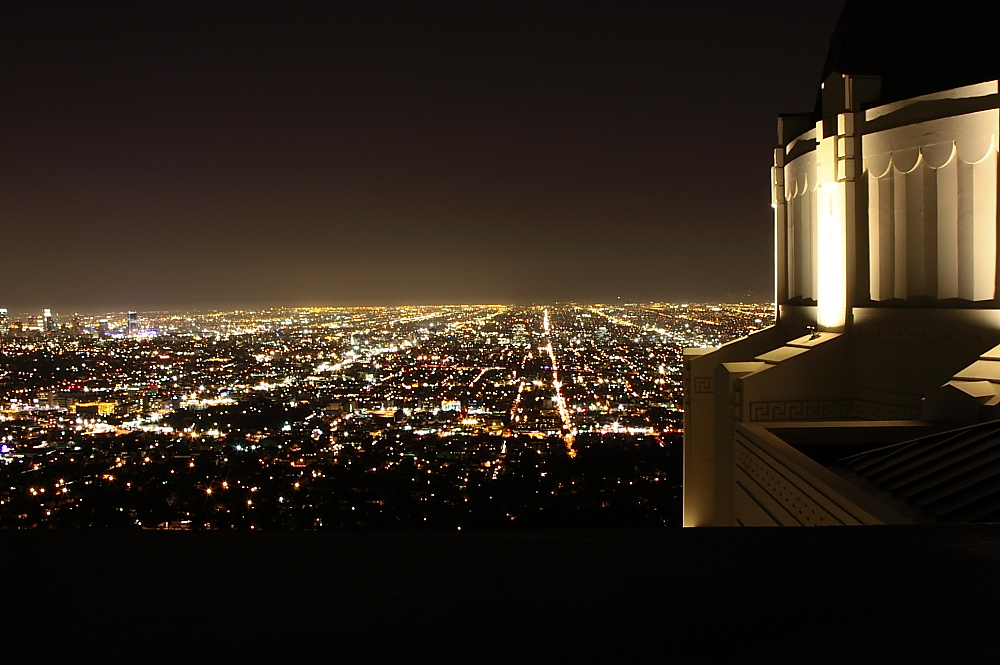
(49, 320)
(184, 156)
(369, 417)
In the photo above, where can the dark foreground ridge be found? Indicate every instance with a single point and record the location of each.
(908, 594)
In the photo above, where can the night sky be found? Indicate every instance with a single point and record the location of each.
(161, 155)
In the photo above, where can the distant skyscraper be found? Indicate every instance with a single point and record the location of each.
(133, 324)
(47, 323)
(4, 323)
(103, 329)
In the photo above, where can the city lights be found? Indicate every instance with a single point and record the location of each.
(370, 416)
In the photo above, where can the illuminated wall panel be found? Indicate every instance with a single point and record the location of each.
(932, 209)
(984, 222)
(831, 273)
(947, 225)
(800, 188)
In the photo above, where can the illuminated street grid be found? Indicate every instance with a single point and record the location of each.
(351, 417)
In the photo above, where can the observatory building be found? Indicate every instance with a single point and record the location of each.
(875, 397)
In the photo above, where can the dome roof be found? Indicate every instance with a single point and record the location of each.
(917, 48)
